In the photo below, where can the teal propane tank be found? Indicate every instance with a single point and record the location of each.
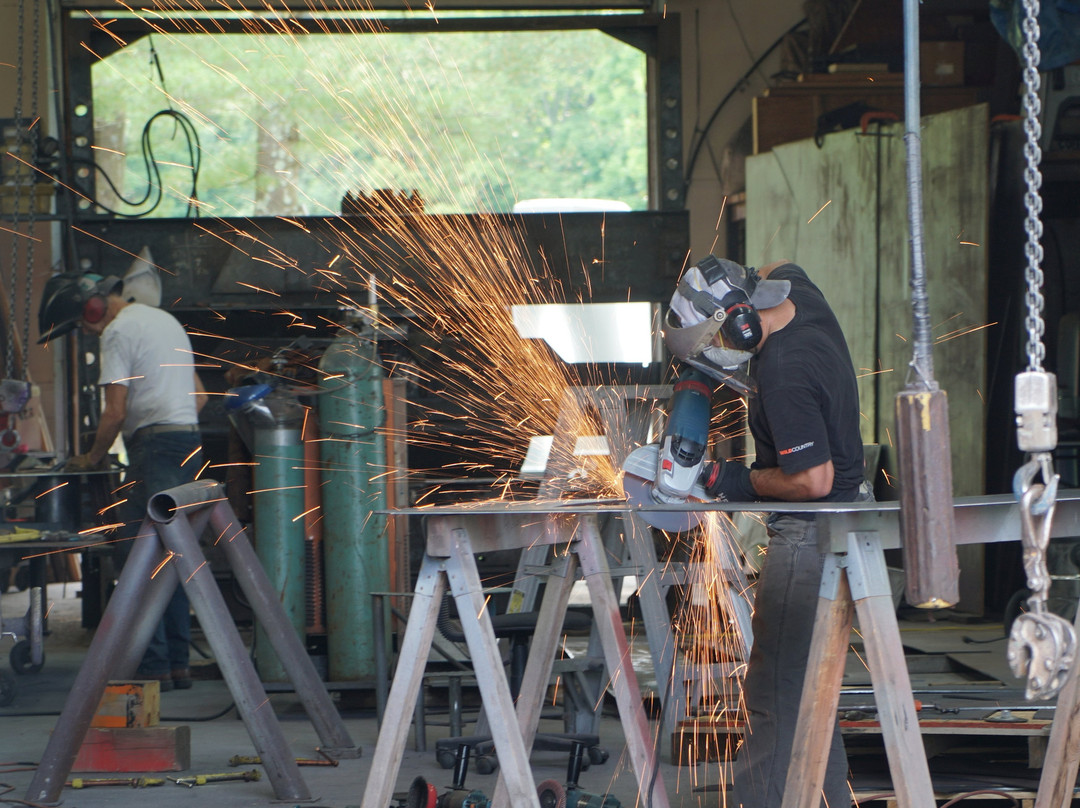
(270, 421)
(353, 453)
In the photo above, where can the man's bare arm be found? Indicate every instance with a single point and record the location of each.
(112, 419)
(804, 486)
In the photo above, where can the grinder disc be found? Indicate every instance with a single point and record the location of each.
(639, 473)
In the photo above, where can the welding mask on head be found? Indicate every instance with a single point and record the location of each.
(714, 297)
(70, 299)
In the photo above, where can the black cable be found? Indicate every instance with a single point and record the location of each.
(154, 190)
(183, 719)
(701, 135)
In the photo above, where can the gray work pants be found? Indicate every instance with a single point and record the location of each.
(785, 604)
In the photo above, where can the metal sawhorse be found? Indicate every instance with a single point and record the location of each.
(854, 537)
(166, 554)
(454, 536)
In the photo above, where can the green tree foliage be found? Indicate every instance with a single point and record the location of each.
(289, 124)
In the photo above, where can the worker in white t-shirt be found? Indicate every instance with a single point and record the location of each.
(152, 396)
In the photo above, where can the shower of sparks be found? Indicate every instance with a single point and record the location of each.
(456, 279)
(714, 648)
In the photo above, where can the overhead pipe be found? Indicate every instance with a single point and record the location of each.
(922, 410)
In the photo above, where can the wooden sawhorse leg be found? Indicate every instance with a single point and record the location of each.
(857, 581)
(460, 572)
(587, 550)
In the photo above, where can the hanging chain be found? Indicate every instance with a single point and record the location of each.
(1034, 323)
(28, 282)
(1042, 645)
(16, 167)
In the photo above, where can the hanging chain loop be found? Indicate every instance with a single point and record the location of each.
(28, 282)
(1033, 250)
(17, 173)
(1042, 645)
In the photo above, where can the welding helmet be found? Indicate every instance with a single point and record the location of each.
(718, 296)
(70, 299)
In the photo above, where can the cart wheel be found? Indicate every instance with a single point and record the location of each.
(486, 765)
(7, 688)
(598, 754)
(20, 658)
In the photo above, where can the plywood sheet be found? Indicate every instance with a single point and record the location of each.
(840, 211)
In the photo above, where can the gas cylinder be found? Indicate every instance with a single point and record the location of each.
(353, 455)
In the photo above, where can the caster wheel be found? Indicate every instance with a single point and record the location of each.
(486, 765)
(7, 689)
(445, 759)
(585, 763)
(22, 578)
(598, 755)
(20, 658)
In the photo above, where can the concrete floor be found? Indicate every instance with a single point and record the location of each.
(976, 667)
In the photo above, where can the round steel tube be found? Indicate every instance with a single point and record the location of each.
(163, 507)
(237, 669)
(156, 600)
(256, 588)
(124, 617)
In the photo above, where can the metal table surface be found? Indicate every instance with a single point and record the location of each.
(979, 519)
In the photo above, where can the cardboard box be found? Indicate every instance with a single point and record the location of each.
(941, 64)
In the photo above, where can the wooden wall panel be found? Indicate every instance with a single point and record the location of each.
(856, 248)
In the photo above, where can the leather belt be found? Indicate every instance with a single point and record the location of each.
(155, 429)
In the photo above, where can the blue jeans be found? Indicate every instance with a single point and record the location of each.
(155, 462)
(785, 605)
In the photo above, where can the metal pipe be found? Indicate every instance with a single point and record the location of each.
(922, 360)
(236, 667)
(256, 587)
(155, 603)
(164, 506)
(124, 617)
(382, 663)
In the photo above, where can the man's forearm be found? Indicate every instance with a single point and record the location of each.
(107, 431)
(803, 486)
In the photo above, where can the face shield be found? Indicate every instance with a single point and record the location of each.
(714, 307)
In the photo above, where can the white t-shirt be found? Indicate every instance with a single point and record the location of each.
(147, 350)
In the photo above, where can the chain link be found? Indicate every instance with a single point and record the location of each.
(28, 283)
(9, 353)
(1033, 250)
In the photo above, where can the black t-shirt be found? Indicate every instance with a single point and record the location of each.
(807, 407)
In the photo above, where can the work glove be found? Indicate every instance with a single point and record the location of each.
(728, 481)
(82, 462)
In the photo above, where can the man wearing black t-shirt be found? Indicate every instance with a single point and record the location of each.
(804, 419)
